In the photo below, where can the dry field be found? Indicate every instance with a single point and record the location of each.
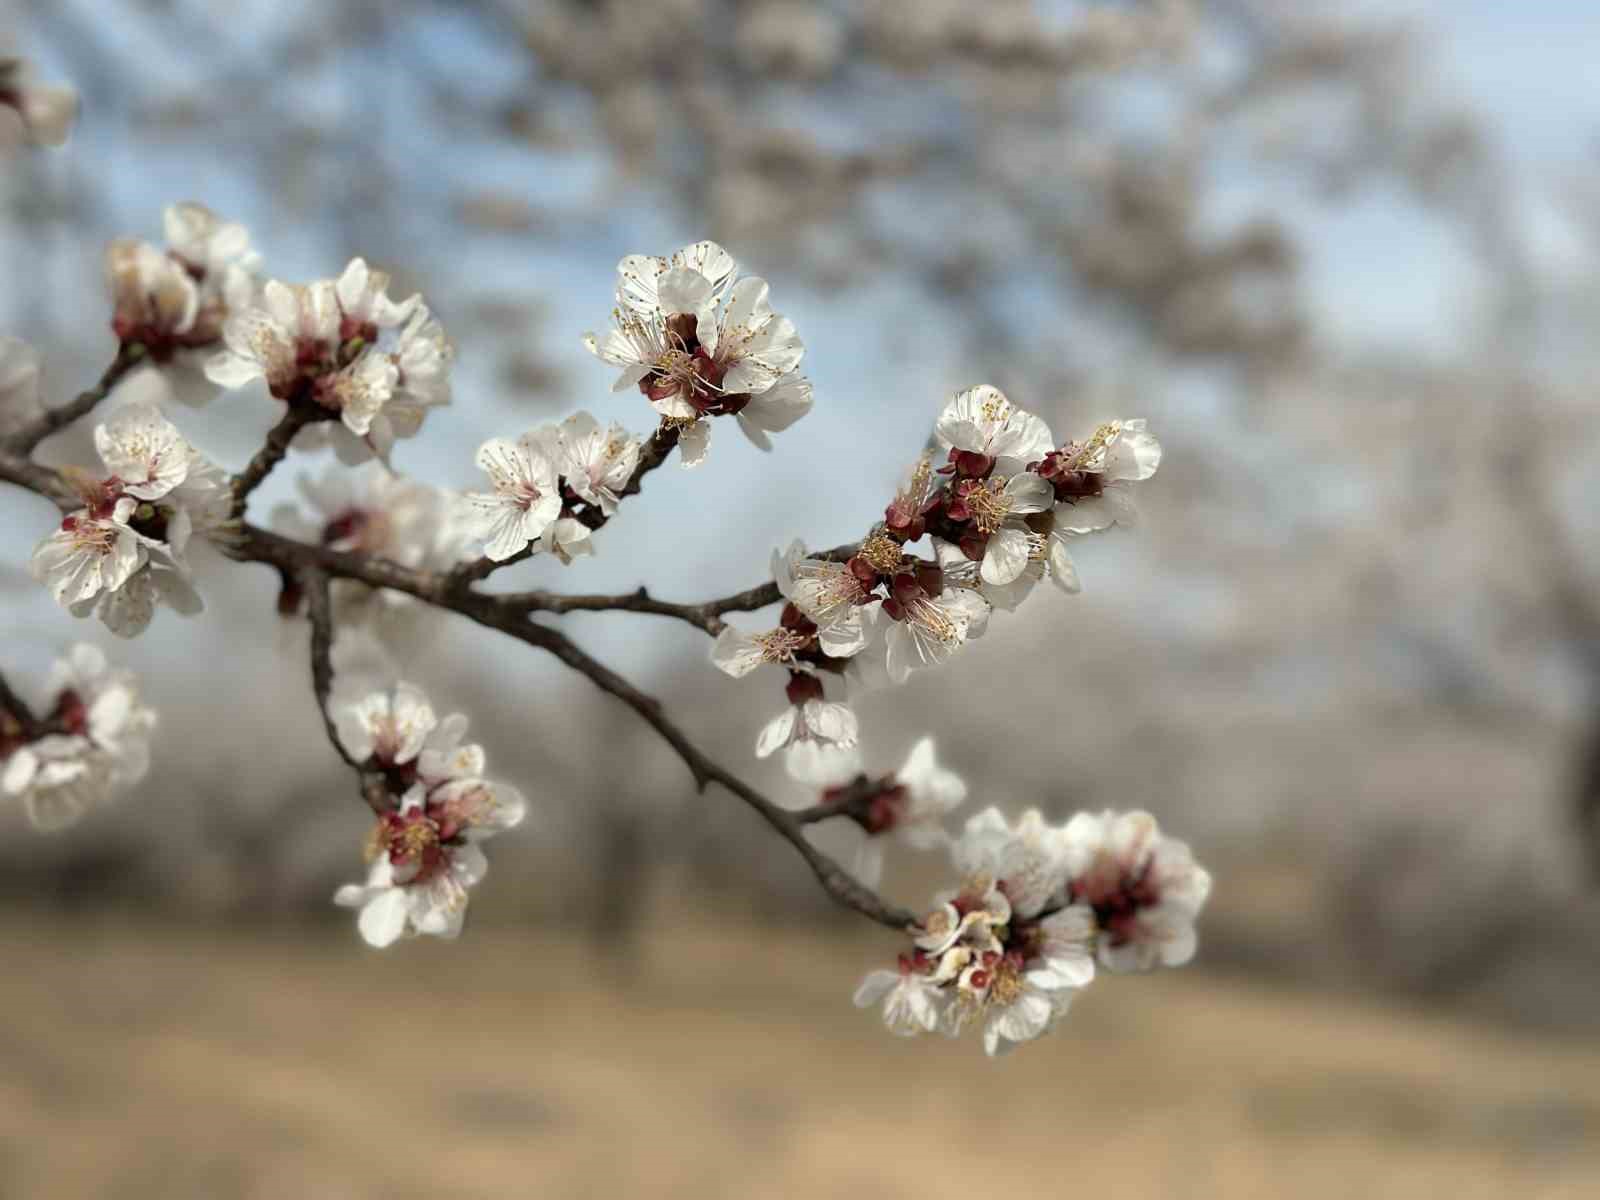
(139, 1060)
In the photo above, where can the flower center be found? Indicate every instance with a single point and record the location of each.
(882, 553)
(90, 536)
(989, 504)
(932, 619)
(781, 645)
(1090, 455)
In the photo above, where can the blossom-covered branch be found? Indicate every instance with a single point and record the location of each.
(356, 371)
(636, 460)
(706, 615)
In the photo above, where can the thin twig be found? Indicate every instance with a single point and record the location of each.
(850, 801)
(258, 545)
(129, 355)
(835, 880)
(18, 709)
(272, 453)
(705, 615)
(319, 610)
(43, 480)
(318, 565)
(651, 455)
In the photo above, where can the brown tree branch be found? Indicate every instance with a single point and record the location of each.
(272, 453)
(45, 481)
(851, 801)
(835, 880)
(17, 708)
(259, 545)
(30, 435)
(315, 566)
(319, 611)
(705, 615)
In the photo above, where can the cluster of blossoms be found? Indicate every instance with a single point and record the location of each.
(370, 510)
(92, 743)
(174, 303)
(424, 851)
(44, 112)
(998, 515)
(123, 552)
(364, 368)
(1038, 908)
(909, 804)
(700, 342)
(539, 480)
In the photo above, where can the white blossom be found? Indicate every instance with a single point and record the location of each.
(737, 653)
(912, 1002)
(174, 303)
(144, 451)
(216, 250)
(89, 554)
(425, 853)
(997, 509)
(775, 409)
(123, 553)
(102, 747)
(526, 499)
(982, 421)
(46, 111)
(962, 572)
(910, 804)
(818, 738)
(389, 727)
(931, 793)
(596, 462)
(1030, 856)
(114, 719)
(1009, 948)
(289, 340)
(567, 538)
(424, 356)
(363, 296)
(1094, 478)
(323, 346)
(154, 300)
(831, 595)
(56, 781)
(1144, 888)
(925, 630)
(370, 510)
(699, 342)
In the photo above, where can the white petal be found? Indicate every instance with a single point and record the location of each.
(693, 442)
(1029, 493)
(1006, 555)
(383, 919)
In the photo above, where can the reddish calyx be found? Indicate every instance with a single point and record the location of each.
(1118, 897)
(1069, 484)
(71, 713)
(802, 687)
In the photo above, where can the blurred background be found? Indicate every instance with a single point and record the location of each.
(1341, 256)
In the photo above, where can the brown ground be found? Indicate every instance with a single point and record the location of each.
(139, 1061)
